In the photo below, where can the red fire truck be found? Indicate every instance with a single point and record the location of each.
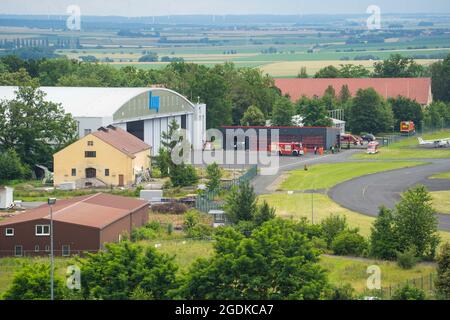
(407, 128)
(288, 149)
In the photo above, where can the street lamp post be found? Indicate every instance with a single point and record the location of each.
(51, 202)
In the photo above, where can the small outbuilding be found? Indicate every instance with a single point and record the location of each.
(6, 197)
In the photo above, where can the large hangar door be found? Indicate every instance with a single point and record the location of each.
(136, 128)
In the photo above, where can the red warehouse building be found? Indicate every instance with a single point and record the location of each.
(82, 224)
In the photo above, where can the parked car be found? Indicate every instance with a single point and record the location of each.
(369, 137)
(348, 138)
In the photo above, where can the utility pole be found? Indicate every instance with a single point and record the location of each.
(51, 202)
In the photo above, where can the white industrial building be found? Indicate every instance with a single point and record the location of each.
(144, 112)
(6, 197)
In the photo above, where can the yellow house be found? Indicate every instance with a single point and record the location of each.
(107, 157)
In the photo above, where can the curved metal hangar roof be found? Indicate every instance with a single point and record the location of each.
(120, 103)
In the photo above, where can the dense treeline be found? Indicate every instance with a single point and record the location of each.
(226, 90)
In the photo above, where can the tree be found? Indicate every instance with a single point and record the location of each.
(327, 72)
(276, 262)
(443, 272)
(183, 175)
(349, 242)
(440, 79)
(369, 112)
(150, 57)
(383, 243)
(406, 110)
(416, 223)
(283, 111)
(125, 269)
(353, 71)
(32, 282)
(264, 213)
(409, 293)
(344, 94)
(10, 166)
(329, 98)
(214, 175)
(398, 66)
(437, 115)
(33, 127)
(314, 113)
(253, 117)
(332, 226)
(240, 204)
(303, 74)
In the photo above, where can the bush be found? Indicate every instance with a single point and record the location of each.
(11, 167)
(349, 243)
(183, 175)
(443, 272)
(331, 227)
(170, 208)
(342, 293)
(408, 259)
(156, 173)
(409, 293)
(191, 219)
(200, 231)
(148, 232)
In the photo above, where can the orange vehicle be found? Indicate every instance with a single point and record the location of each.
(407, 128)
(288, 149)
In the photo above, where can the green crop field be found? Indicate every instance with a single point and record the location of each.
(325, 176)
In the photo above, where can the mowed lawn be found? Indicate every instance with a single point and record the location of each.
(445, 175)
(325, 176)
(300, 205)
(343, 270)
(441, 201)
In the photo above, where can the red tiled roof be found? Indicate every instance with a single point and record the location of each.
(121, 140)
(96, 211)
(418, 89)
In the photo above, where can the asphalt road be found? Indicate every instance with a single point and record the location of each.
(366, 194)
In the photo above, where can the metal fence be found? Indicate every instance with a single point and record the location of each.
(388, 139)
(425, 283)
(209, 200)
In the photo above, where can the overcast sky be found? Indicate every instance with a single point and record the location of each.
(219, 7)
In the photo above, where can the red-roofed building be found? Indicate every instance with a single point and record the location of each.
(82, 224)
(418, 89)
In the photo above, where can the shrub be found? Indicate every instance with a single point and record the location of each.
(11, 166)
(148, 232)
(342, 293)
(408, 259)
(332, 226)
(349, 243)
(200, 231)
(156, 173)
(409, 293)
(443, 272)
(191, 219)
(170, 208)
(183, 175)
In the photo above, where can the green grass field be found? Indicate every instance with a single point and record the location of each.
(445, 175)
(408, 149)
(441, 201)
(343, 270)
(299, 205)
(325, 176)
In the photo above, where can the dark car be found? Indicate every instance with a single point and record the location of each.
(369, 137)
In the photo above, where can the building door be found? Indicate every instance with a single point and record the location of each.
(91, 173)
(121, 180)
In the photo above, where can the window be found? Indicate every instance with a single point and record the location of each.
(18, 251)
(74, 172)
(47, 248)
(36, 248)
(43, 230)
(65, 250)
(90, 154)
(87, 132)
(106, 172)
(90, 143)
(9, 232)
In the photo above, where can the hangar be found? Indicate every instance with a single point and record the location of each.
(143, 112)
